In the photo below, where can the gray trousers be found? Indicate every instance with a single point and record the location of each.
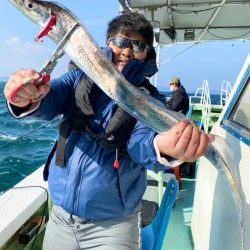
(69, 232)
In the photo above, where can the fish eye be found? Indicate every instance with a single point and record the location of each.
(29, 5)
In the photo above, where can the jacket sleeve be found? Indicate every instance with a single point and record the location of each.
(55, 102)
(58, 98)
(140, 147)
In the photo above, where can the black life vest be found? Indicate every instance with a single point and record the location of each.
(118, 129)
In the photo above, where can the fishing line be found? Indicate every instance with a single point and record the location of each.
(174, 56)
(33, 130)
(228, 38)
(188, 11)
(44, 209)
(4, 134)
(196, 43)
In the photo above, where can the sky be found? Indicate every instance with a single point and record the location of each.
(213, 61)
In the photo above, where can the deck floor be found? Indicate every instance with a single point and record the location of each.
(178, 235)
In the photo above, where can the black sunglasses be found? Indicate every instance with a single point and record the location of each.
(122, 43)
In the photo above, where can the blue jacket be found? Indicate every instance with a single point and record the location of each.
(88, 185)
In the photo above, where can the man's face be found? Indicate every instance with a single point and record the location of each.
(172, 87)
(125, 49)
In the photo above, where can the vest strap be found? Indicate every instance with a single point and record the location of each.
(60, 147)
(117, 131)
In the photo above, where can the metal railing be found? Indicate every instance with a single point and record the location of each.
(226, 89)
(202, 96)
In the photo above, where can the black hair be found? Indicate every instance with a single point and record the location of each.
(130, 23)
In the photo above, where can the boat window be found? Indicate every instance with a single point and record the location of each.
(237, 118)
(239, 112)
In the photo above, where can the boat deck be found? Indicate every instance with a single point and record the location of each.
(178, 235)
(205, 116)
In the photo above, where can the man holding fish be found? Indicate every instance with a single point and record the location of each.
(97, 170)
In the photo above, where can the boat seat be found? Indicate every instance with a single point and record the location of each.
(153, 234)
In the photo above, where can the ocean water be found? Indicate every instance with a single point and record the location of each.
(20, 157)
(24, 145)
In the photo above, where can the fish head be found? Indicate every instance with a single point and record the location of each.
(40, 12)
(37, 11)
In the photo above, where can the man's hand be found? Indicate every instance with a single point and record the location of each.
(28, 92)
(185, 141)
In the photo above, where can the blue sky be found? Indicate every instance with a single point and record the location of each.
(212, 61)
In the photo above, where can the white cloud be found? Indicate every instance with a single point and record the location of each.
(23, 48)
(15, 40)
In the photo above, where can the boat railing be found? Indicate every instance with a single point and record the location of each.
(208, 112)
(226, 89)
(206, 101)
(202, 96)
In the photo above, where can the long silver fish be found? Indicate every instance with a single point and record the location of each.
(87, 55)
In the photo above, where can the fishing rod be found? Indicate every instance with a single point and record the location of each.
(33, 130)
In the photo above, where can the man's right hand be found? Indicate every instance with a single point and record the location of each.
(28, 93)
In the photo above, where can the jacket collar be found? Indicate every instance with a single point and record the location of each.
(135, 70)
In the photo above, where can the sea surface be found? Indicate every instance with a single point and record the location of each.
(20, 157)
(26, 143)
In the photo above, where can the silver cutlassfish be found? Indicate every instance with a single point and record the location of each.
(84, 51)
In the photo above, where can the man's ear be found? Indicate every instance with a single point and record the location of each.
(107, 43)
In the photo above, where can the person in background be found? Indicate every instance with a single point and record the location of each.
(97, 200)
(179, 100)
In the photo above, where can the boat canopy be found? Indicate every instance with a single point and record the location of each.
(182, 21)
